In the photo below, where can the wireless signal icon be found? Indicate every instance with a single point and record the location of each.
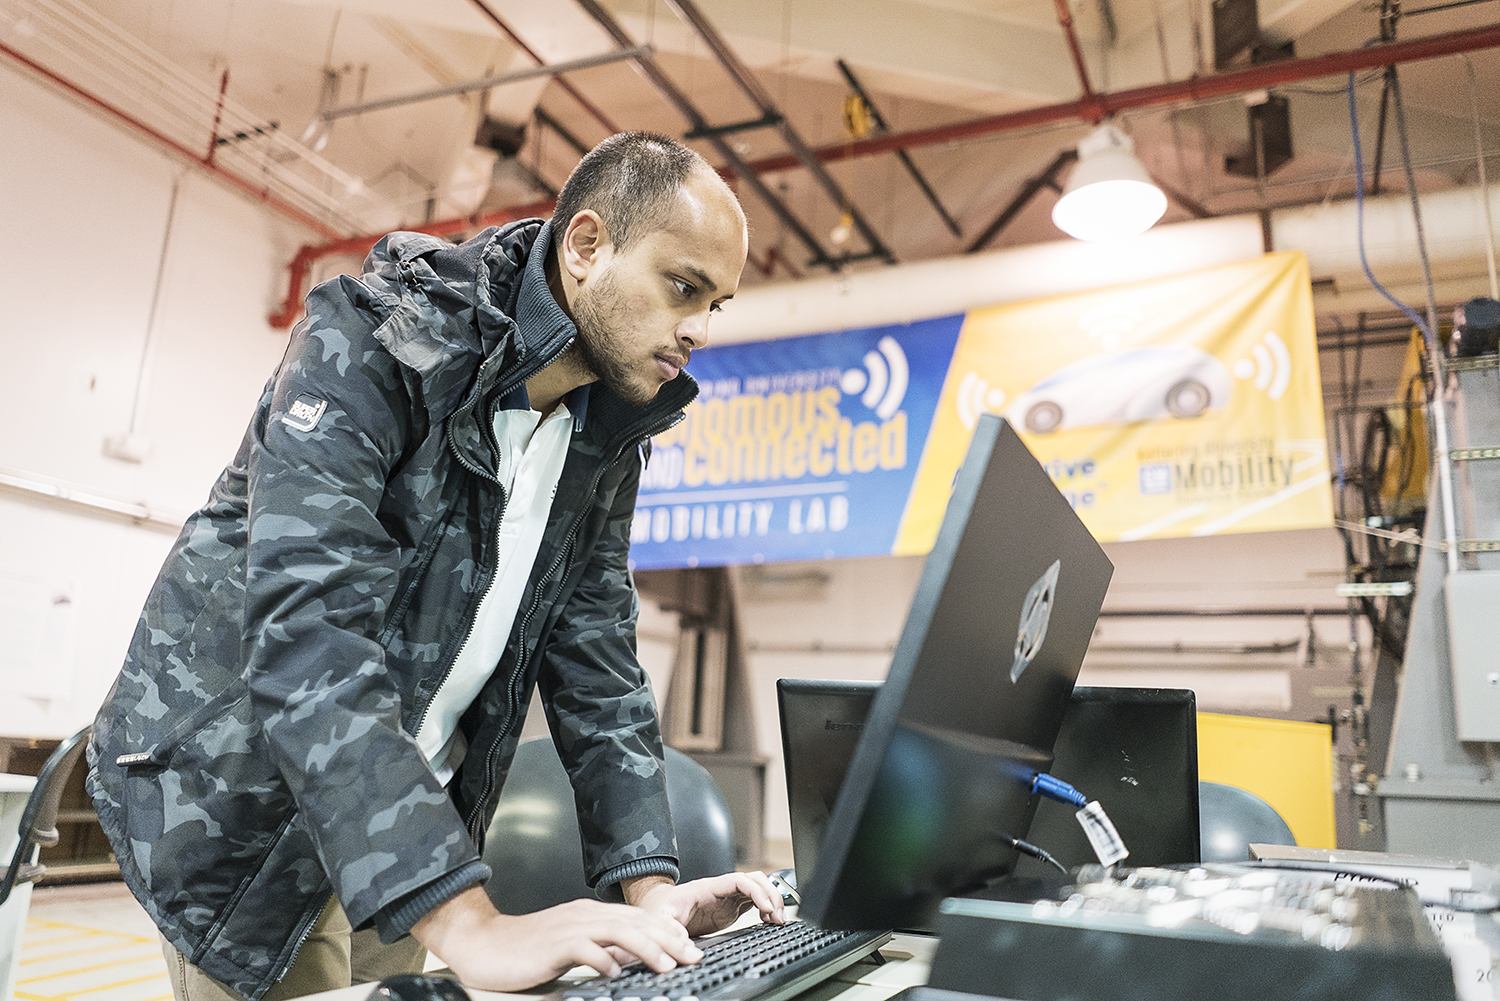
(975, 397)
(883, 379)
(1109, 322)
(1269, 364)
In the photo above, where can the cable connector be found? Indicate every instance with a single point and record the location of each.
(1055, 788)
(1040, 854)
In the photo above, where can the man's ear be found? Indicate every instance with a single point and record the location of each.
(586, 243)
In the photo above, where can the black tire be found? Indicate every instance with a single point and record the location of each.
(1044, 417)
(1189, 398)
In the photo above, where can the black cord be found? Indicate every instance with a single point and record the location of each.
(1041, 855)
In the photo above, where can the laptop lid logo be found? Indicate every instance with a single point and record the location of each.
(1036, 611)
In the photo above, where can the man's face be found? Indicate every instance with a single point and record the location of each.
(641, 313)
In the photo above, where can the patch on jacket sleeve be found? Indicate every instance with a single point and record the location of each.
(304, 413)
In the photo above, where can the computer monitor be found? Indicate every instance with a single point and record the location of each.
(1133, 749)
(820, 725)
(970, 708)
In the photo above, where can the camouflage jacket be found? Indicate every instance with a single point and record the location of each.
(256, 752)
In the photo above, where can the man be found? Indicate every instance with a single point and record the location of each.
(428, 517)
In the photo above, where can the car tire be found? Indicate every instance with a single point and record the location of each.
(1189, 398)
(1044, 417)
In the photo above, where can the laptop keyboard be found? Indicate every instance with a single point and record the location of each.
(757, 963)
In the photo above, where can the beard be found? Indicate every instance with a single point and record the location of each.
(600, 343)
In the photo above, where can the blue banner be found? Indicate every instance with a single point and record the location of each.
(796, 449)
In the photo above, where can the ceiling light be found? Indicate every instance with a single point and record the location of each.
(1109, 195)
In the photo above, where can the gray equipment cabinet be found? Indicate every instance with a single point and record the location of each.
(1440, 793)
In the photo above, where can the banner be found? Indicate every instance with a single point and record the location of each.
(1187, 405)
(795, 449)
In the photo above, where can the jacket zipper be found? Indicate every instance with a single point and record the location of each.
(488, 427)
(303, 935)
(513, 694)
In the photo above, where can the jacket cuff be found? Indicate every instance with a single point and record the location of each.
(396, 918)
(608, 886)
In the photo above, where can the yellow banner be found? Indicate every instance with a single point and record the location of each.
(1181, 406)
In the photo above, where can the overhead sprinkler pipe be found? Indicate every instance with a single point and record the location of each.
(203, 161)
(1065, 19)
(1200, 88)
(301, 264)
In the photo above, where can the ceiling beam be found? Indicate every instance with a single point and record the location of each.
(1199, 88)
(486, 83)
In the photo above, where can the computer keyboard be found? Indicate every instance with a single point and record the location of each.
(760, 962)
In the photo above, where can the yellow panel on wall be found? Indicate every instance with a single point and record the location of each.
(1286, 763)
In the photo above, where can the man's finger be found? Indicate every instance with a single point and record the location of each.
(757, 886)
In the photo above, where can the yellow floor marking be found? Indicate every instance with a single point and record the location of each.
(45, 923)
(31, 932)
(53, 956)
(110, 987)
(82, 969)
(28, 996)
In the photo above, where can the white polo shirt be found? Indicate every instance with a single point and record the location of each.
(532, 453)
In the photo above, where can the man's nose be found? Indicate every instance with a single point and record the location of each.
(692, 332)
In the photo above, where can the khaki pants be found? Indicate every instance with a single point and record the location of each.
(332, 956)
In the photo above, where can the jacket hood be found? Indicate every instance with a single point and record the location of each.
(453, 306)
(450, 319)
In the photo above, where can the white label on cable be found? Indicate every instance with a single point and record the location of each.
(1101, 834)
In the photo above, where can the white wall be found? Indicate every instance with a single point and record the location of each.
(84, 207)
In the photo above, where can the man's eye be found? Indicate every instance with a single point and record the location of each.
(714, 308)
(683, 288)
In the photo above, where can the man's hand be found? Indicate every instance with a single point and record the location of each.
(706, 905)
(501, 952)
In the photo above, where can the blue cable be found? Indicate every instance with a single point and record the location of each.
(1055, 788)
(1359, 204)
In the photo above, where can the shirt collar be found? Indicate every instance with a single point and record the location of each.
(538, 312)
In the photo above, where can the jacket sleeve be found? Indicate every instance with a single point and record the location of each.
(321, 573)
(603, 714)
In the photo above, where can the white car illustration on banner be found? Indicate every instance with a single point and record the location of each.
(1122, 387)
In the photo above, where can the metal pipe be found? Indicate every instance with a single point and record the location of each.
(761, 98)
(485, 83)
(675, 97)
(142, 513)
(308, 254)
(1484, 181)
(206, 163)
(599, 116)
(213, 138)
(1065, 18)
(1198, 88)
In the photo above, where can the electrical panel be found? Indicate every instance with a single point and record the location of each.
(1473, 606)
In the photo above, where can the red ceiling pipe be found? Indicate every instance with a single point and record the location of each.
(259, 193)
(213, 139)
(1065, 19)
(1196, 88)
(301, 264)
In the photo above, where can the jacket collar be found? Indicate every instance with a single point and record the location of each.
(455, 324)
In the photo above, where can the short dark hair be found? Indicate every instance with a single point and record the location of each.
(630, 180)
